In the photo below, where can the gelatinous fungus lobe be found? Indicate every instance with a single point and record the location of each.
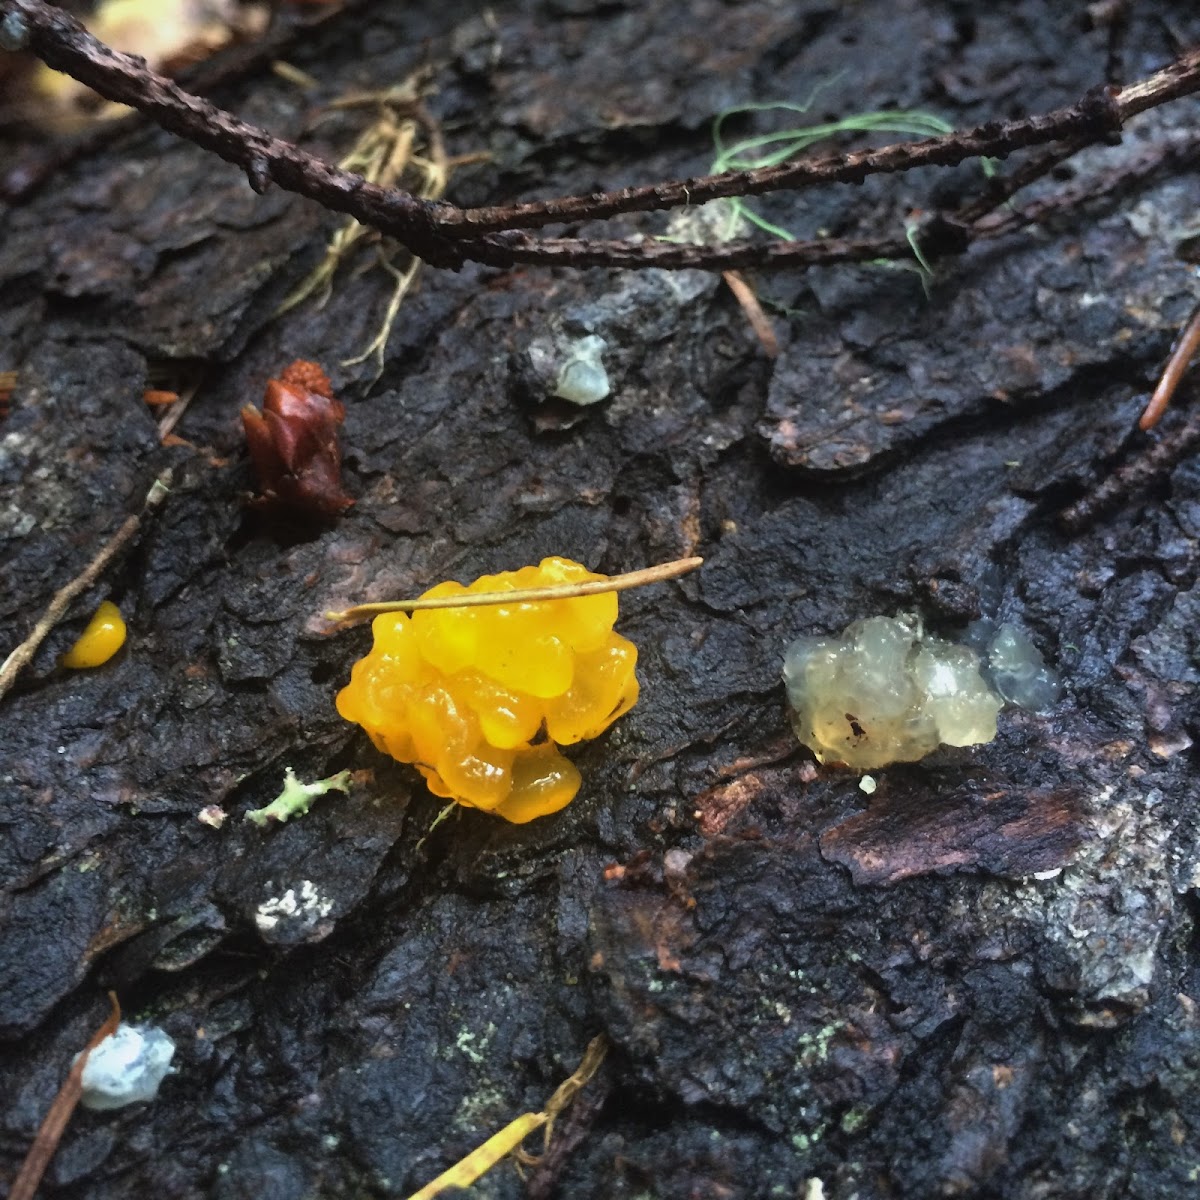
(480, 699)
(883, 692)
(100, 640)
(294, 446)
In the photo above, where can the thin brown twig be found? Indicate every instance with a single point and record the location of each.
(1154, 159)
(1001, 188)
(1183, 352)
(745, 295)
(63, 43)
(55, 1121)
(511, 248)
(942, 235)
(23, 654)
(174, 414)
(553, 591)
(22, 178)
(448, 236)
(1097, 113)
(8, 385)
(1101, 112)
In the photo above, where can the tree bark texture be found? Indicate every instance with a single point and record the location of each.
(981, 980)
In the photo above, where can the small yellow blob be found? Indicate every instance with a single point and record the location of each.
(103, 637)
(479, 699)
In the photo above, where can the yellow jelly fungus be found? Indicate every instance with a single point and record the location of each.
(103, 637)
(480, 699)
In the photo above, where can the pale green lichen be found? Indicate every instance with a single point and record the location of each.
(297, 797)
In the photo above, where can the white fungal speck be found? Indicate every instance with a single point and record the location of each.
(305, 904)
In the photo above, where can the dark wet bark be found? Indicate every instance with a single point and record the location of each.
(978, 981)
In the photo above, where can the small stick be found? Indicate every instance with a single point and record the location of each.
(55, 1122)
(1181, 357)
(24, 653)
(554, 591)
(508, 1141)
(759, 321)
(173, 415)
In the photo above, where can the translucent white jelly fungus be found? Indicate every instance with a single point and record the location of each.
(126, 1068)
(883, 692)
(582, 378)
(1018, 671)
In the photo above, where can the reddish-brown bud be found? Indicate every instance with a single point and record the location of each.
(293, 444)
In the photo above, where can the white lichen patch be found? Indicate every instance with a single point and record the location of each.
(126, 1068)
(484, 1109)
(304, 904)
(473, 1044)
(884, 692)
(1107, 913)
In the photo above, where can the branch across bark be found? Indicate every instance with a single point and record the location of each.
(447, 236)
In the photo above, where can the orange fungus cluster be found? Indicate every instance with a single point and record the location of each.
(480, 699)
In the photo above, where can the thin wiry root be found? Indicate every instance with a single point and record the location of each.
(402, 146)
(25, 1185)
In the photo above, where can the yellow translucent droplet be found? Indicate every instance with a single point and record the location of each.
(482, 777)
(590, 705)
(396, 640)
(435, 783)
(517, 655)
(507, 717)
(103, 637)
(542, 783)
(627, 699)
(438, 724)
(447, 637)
(583, 621)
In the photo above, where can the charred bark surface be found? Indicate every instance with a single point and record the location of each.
(979, 981)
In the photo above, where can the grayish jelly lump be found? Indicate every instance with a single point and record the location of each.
(1015, 668)
(582, 378)
(885, 692)
(126, 1068)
